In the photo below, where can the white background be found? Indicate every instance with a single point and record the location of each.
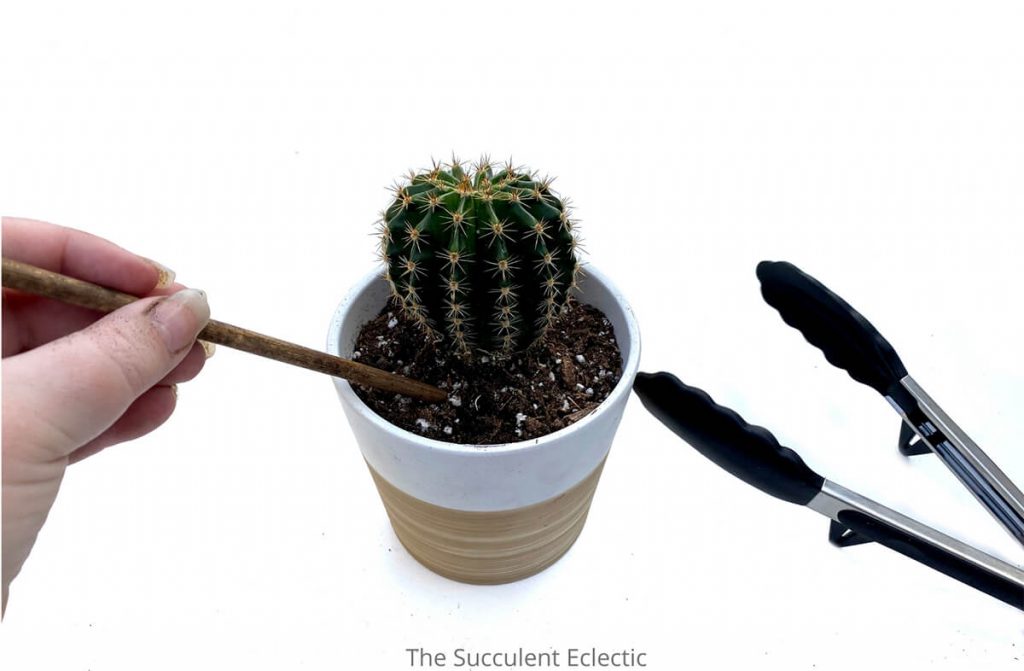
(878, 145)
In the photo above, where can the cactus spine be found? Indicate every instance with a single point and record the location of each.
(485, 258)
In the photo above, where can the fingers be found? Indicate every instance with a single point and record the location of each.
(81, 255)
(78, 386)
(188, 368)
(148, 412)
(30, 321)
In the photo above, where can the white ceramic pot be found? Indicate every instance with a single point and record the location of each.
(486, 513)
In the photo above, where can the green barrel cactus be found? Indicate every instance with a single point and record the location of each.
(483, 257)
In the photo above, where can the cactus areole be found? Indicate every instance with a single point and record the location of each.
(485, 258)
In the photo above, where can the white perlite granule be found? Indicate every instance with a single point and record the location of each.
(422, 423)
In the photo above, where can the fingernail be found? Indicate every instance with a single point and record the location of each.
(165, 276)
(209, 349)
(179, 318)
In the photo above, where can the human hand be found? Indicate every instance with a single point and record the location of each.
(74, 383)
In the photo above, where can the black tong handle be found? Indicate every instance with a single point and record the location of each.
(751, 453)
(848, 340)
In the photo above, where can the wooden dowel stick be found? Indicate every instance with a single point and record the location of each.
(33, 280)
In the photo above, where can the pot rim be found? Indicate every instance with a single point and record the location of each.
(622, 387)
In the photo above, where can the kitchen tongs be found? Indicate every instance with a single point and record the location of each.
(752, 454)
(851, 343)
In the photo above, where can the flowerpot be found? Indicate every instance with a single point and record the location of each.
(486, 514)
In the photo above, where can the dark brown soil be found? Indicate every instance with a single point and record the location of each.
(528, 395)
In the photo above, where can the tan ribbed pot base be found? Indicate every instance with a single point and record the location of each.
(488, 548)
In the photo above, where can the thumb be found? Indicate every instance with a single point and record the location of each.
(72, 389)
